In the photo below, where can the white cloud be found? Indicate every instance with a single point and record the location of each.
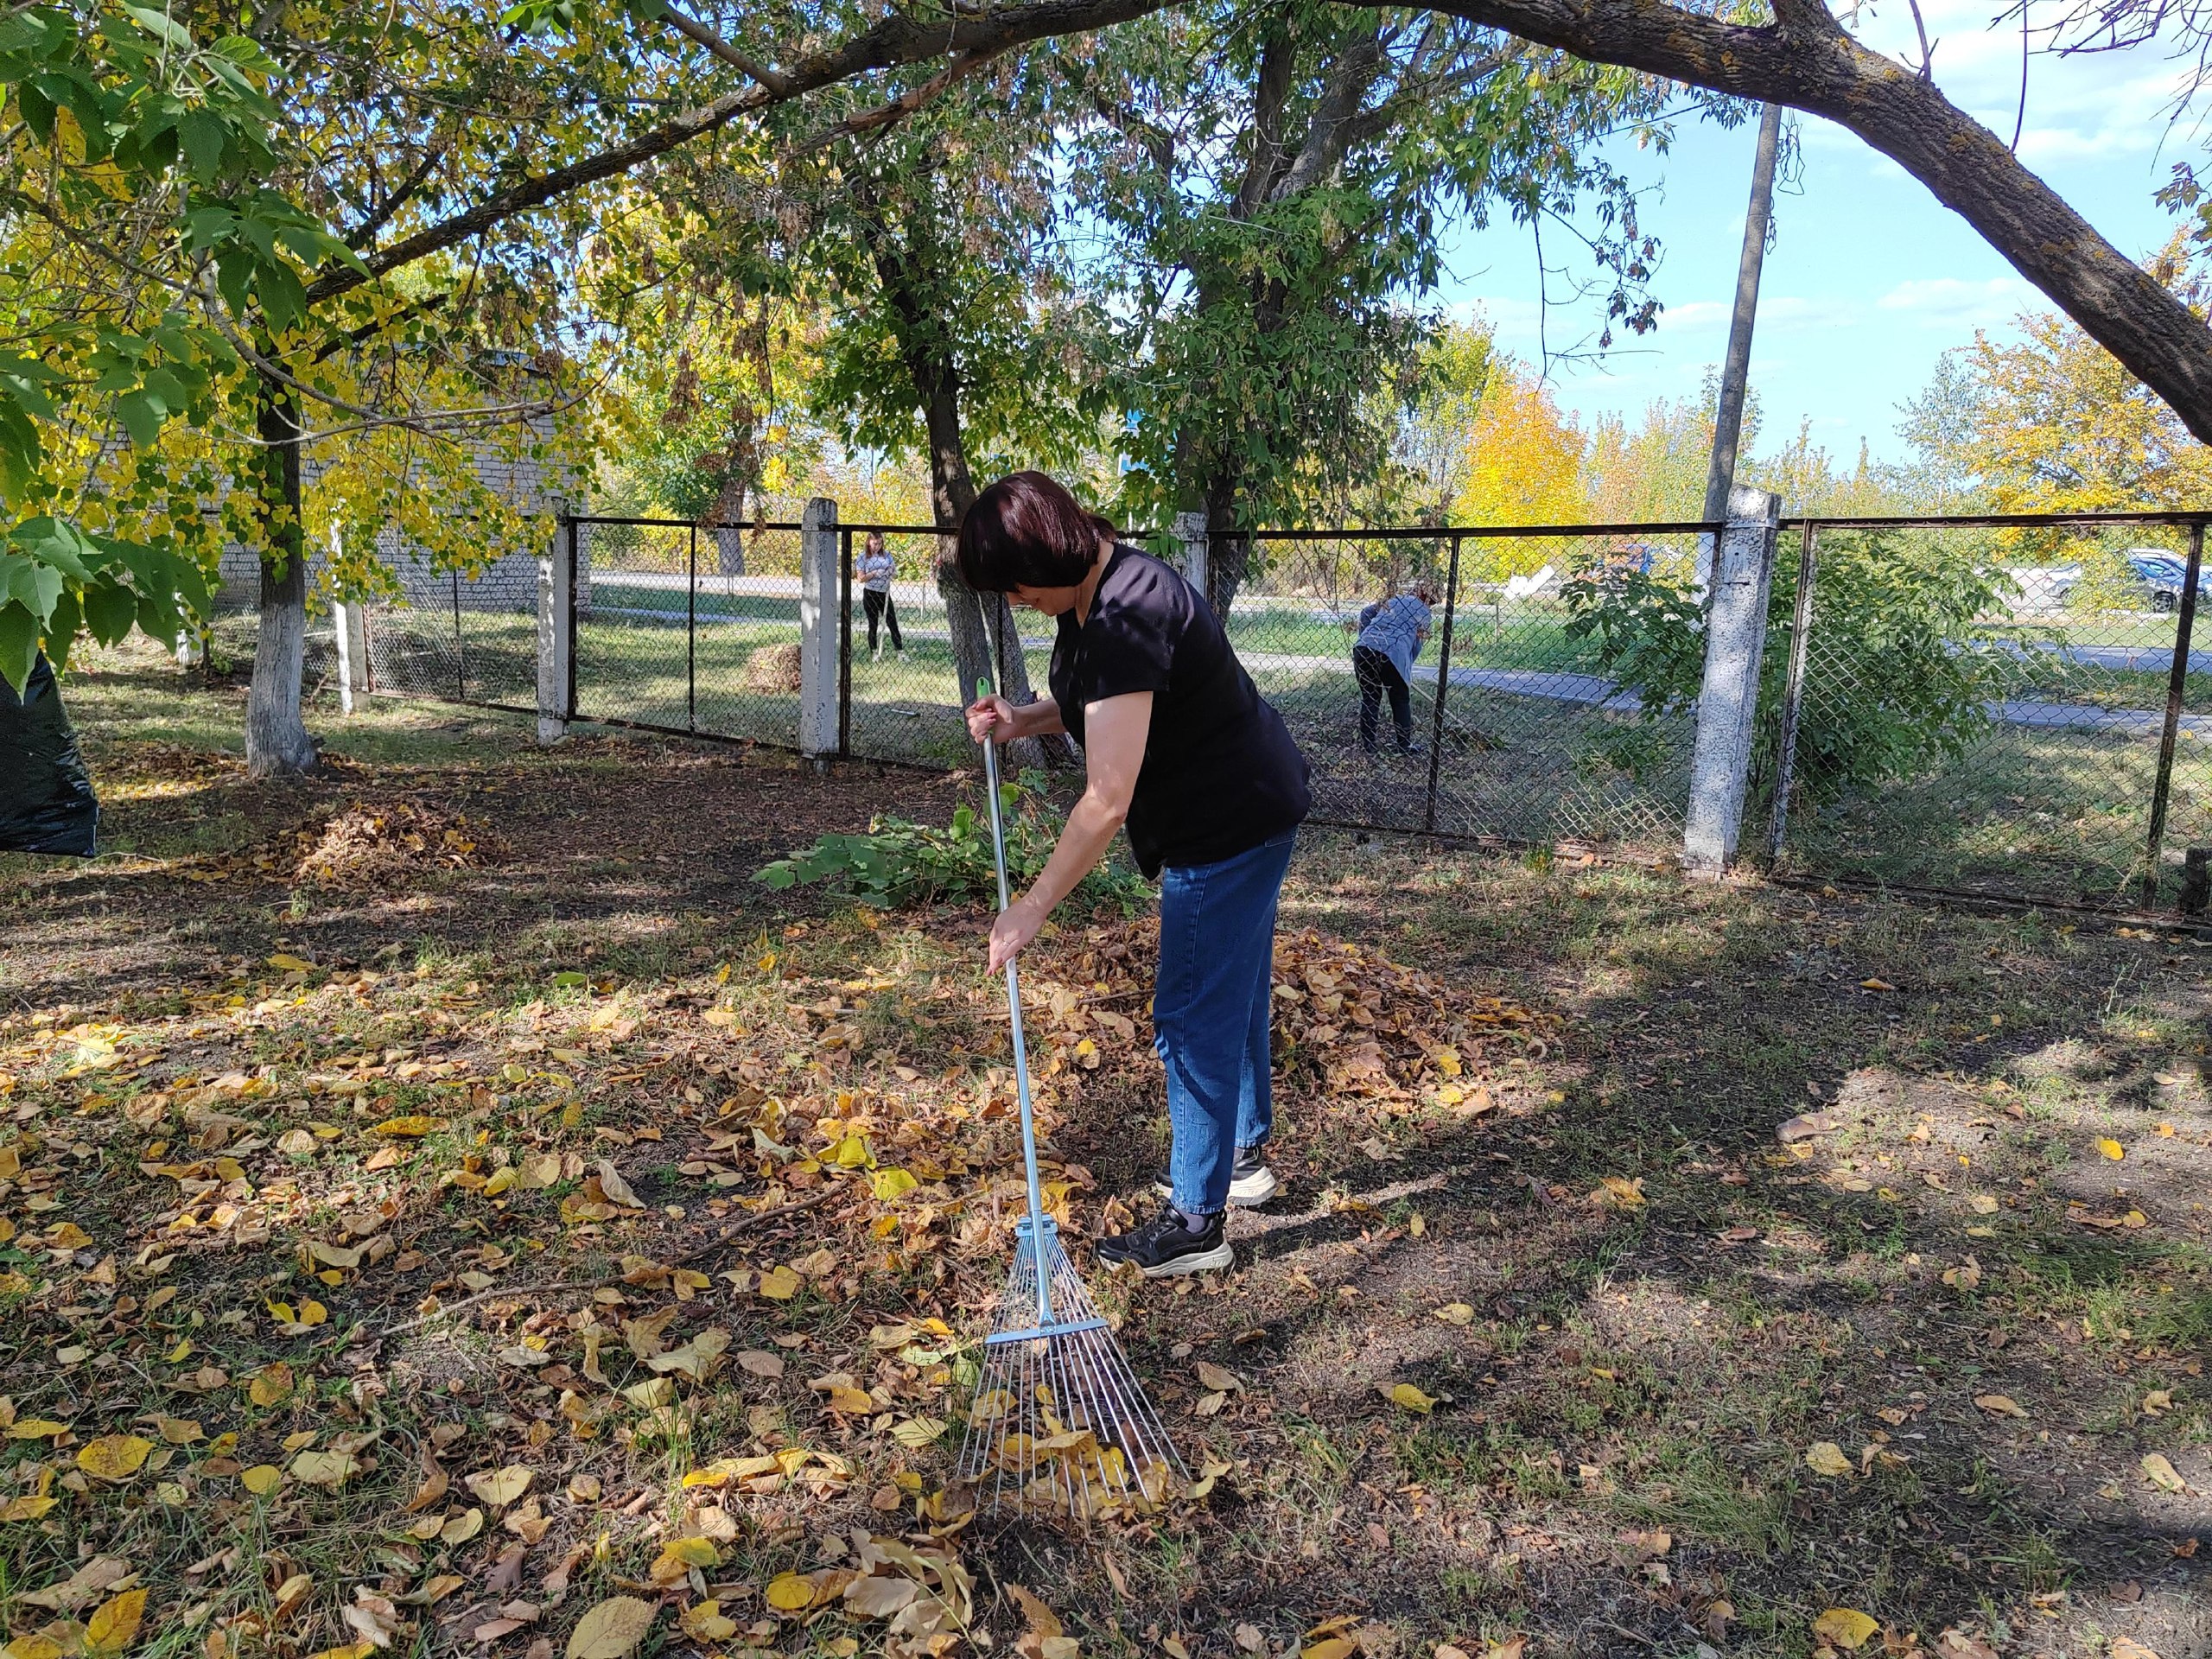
(1955, 304)
(2098, 106)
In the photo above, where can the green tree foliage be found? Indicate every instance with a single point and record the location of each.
(1272, 182)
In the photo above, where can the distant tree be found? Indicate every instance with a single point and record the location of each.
(1655, 472)
(1450, 374)
(1944, 473)
(1523, 465)
(2052, 423)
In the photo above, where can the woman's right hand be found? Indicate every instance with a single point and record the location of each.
(991, 717)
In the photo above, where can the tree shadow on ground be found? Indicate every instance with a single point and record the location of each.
(1955, 1236)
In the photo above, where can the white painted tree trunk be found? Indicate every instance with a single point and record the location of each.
(277, 737)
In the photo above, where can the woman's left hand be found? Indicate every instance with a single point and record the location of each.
(1016, 925)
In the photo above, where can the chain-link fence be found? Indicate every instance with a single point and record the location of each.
(686, 627)
(1508, 727)
(899, 680)
(450, 637)
(2005, 706)
(2002, 706)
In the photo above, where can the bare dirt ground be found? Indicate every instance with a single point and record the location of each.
(425, 1189)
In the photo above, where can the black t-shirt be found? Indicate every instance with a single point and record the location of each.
(1221, 773)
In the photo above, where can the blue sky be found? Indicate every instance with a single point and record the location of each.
(1870, 279)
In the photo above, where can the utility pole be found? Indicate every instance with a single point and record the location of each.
(1728, 419)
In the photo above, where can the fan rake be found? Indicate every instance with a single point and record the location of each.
(1060, 1424)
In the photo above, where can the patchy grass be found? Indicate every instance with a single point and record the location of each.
(356, 1194)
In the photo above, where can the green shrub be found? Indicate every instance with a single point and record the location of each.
(1902, 667)
(899, 862)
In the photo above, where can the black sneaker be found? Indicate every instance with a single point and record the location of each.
(1165, 1245)
(1251, 1183)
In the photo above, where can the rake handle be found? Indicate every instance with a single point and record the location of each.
(1037, 1222)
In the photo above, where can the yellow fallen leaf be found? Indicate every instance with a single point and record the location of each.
(114, 1625)
(891, 1185)
(2000, 1405)
(25, 1509)
(780, 1284)
(1619, 1192)
(2162, 1474)
(1330, 1647)
(1827, 1457)
(262, 1479)
(34, 1646)
(612, 1630)
(113, 1457)
(704, 1622)
(1411, 1398)
(500, 1487)
(289, 963)
(1875, 985)
(410, 1128)
(1456, 1313)
(851, 1400)
(462, 1528)
(323, 1468)
(678, 1556)
(2112, 1149)
(271, 1384)
(36, 1428)
(1845, 1626)
(787, 1592)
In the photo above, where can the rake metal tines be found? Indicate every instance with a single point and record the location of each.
(1060, 1424)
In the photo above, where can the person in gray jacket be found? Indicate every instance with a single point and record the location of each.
(875, 568)
(1391, 633)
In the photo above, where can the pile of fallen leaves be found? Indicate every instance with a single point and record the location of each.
(1348, 1021)
(150, 770)
(362, 842)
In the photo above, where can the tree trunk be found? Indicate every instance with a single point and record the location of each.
(276, 738)
(985, 636)
(1805, 60)
(1229, 554)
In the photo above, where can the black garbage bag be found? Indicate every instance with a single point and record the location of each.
(46, 795)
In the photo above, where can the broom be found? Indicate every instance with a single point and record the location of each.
(1059, 1422)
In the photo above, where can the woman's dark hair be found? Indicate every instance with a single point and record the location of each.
(1028, 531)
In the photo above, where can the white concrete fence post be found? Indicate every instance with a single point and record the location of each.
(1190, 532)
(556, 644)
(1727, 704)
(818, 585)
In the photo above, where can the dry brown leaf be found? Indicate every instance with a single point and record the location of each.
(617, 1190)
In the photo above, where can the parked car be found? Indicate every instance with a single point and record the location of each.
(2161, 573)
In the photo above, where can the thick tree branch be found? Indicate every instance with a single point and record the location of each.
(1278, 61)
(897, 109)
(1350, 80)
(1807, 61)
(743, 63)
(893, 43)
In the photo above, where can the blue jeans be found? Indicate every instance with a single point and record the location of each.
(1209, 1015)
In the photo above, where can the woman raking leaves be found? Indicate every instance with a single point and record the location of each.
(1183, 753)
